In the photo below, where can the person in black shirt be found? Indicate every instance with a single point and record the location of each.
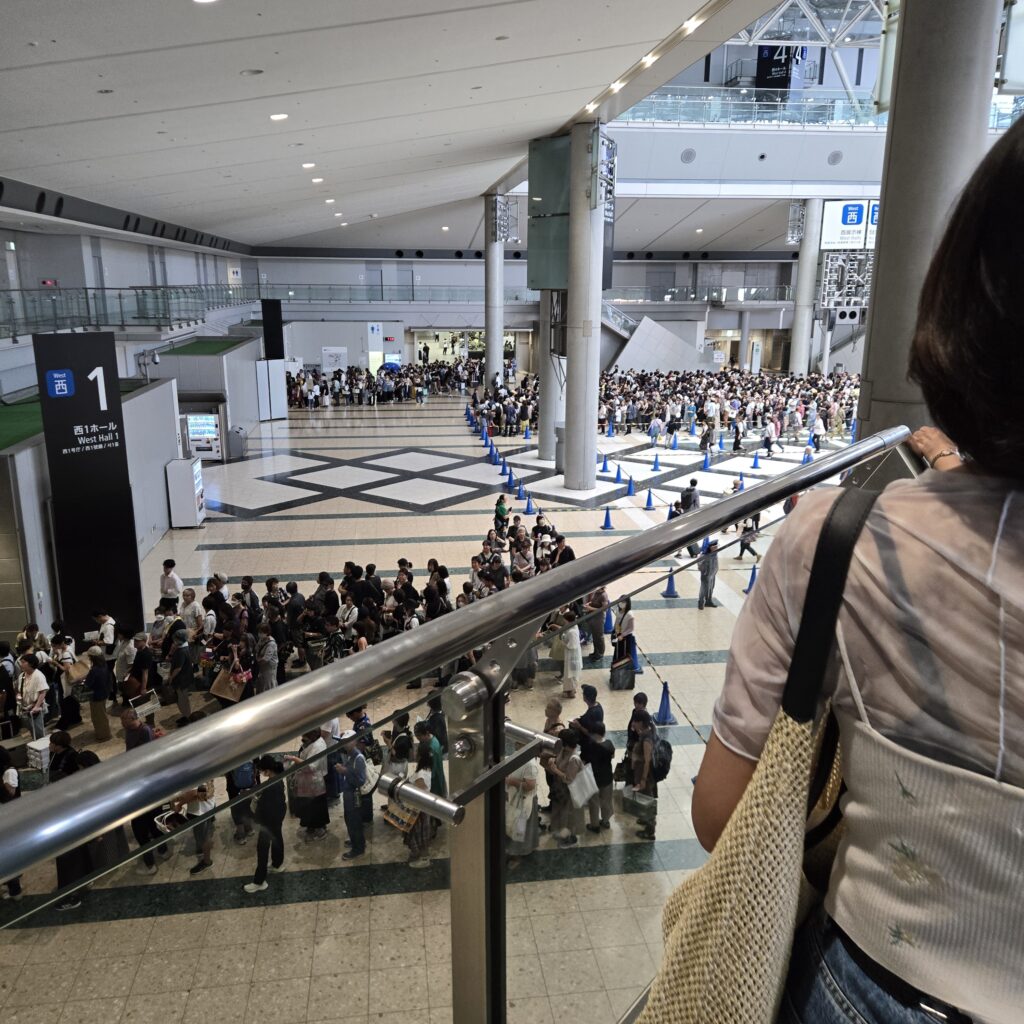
(497, 573)
(279, 631)
(181, 677)
(374, 582)
(405, 591)
(437, 723)
(563, 554)
(269, 814)
(598, 752)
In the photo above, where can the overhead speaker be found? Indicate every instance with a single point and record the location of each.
(835, 157)
(688, 155)
(850, 314)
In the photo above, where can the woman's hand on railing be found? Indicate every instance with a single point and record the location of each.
(935, 447)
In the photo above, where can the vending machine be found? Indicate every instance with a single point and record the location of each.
(185, 492)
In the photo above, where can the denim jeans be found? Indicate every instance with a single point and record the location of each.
(826, 986)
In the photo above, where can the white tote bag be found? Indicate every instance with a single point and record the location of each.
(583, 787)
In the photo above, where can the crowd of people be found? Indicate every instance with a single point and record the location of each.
(732, 403)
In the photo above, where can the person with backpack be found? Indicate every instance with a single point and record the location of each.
(642, 764)
(240, 780)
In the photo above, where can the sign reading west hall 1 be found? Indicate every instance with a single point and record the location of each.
(849, 224)
(93, 517)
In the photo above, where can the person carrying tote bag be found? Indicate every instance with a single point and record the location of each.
(728, 928)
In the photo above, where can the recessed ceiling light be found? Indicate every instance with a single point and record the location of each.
(328, 201)
(373, 216)
(743, 92)
(591, 107)
(848, 39)
(616, 86)
(278, 117)
(475, 87)
(536, 199)
(500, 39)
(700, 231)
(104, 92)
(250, 72)
(339, 215)
(295, 145)
(316, 181)
(444, 227)
(204, 1)
(343, 224)
(649, 59)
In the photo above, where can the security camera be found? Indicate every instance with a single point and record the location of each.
(156, 358)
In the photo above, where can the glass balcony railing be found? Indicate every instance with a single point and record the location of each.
(807, 108)
(455, 906)
(622, 322)
(34, 310)
(31, 310)
(702, 294)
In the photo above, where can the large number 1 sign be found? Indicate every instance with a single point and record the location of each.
(97, 561)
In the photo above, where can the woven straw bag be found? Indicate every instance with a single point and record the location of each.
(729, 927)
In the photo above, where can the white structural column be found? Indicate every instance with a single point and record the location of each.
(745, 353)
(494, 291)
(806, 283)
(583, 314)
(938, 122)
(552, 384)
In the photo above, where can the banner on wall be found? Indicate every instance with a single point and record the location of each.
(92, 512)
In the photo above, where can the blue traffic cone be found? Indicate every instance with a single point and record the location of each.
(675, 443)
(483, 435)
(753, 580)
(526, 435)
(611, 429)
(693, 428)
(670, 590)
(494, 456)
(853, 431)
(609, 622)
(607, 525)
(742, 484)
(650, 501)
(529, 505)
(521, 493)
(511, 479)
(604, 465)
(707, 461)
(664, 715)
(618, 474)
(721, 443)
(631, 490)
(637, 667)
(504, 466)
(757, 462)
(657, 463)
(669, 516)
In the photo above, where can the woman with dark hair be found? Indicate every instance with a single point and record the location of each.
(417, 839)
(922, 920)
(63, 756)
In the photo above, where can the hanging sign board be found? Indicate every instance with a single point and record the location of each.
(844, 224)
(93, 517)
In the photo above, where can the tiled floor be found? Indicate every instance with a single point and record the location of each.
(369, 941)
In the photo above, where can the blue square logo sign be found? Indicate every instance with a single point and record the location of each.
(60, 383)
(853, 214)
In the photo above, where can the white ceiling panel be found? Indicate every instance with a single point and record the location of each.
(402, 104)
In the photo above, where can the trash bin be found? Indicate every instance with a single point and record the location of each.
(560, 447)
(237, 439)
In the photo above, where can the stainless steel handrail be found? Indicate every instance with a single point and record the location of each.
(58, 818)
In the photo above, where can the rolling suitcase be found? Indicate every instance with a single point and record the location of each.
(623, 675)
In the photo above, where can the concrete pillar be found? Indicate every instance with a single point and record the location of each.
(938, 119)
(551, 369)
(806, 285)
(745, 353)
(583, 315)
(494, 293)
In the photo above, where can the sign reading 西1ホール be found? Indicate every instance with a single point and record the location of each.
(97, 558)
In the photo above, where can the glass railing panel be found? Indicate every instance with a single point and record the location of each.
(180, 914)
